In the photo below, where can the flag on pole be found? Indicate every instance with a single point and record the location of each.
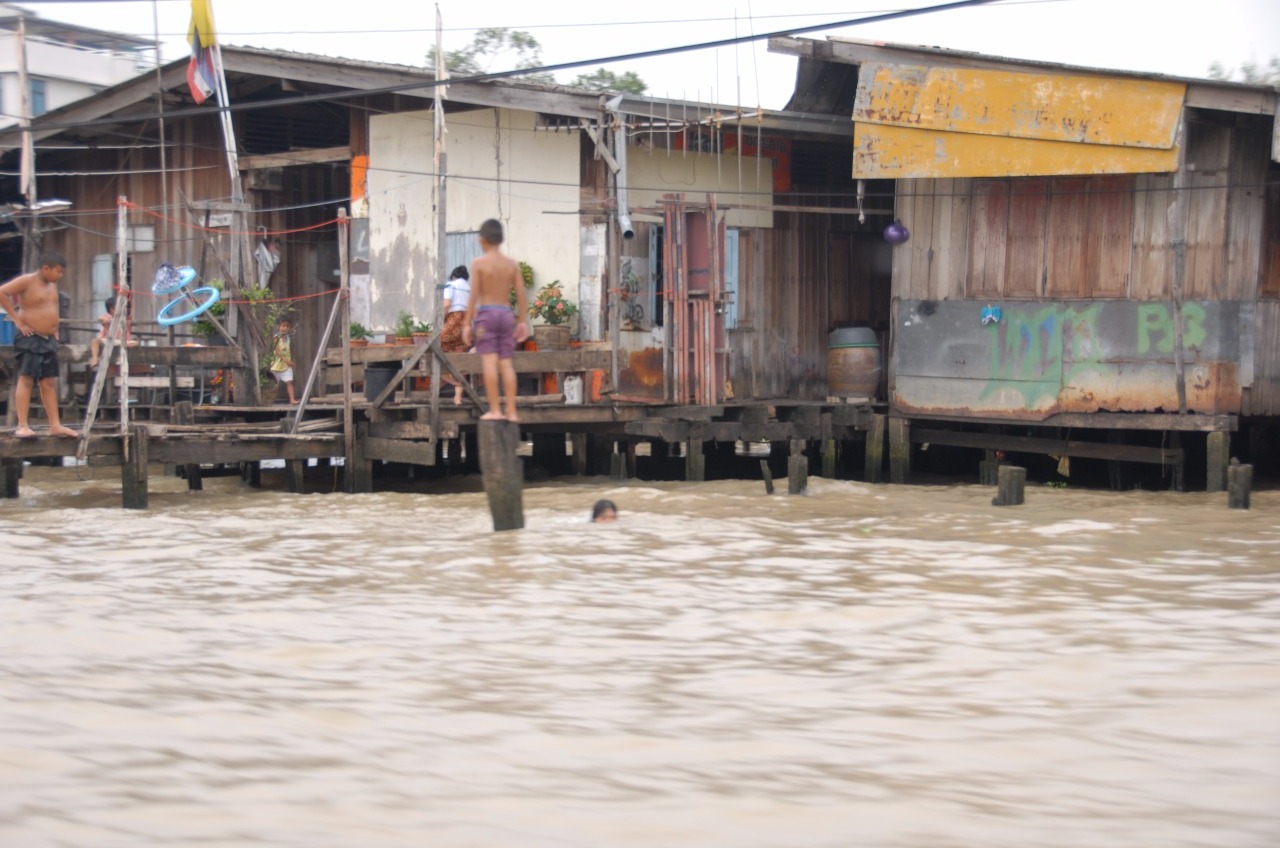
(202, 73)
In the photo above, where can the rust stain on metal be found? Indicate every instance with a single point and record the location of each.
(642, 374)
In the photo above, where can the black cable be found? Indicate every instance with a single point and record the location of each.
(330, 97)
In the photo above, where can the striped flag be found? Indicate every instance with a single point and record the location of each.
(201, 71)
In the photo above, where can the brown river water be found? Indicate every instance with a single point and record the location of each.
(866, 666)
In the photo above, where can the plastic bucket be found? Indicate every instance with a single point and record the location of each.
(854, 362)
(8, 332)
(377, 378)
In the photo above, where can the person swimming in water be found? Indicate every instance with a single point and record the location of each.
(604, 511)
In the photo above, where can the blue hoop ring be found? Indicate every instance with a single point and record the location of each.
(169, 279)
(164, 319)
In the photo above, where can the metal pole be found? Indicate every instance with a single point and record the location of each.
(122, 309)
(344, 293)
(1178, 243)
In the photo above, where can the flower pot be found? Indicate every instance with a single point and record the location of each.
(419, 338)
(359, 342)
(404, 340)
(551, 336)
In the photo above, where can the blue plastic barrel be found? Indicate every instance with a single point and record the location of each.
(8, 332)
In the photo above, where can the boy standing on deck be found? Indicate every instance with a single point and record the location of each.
(489, 319)
(35, 317)
(282, 358)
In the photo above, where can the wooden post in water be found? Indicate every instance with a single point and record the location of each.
(768, 476)
(1239, 485)
(133, 469)
(989, 470)
(618, 466)
(630, 449)
(829, 459)
(874, 470)
(359, 466)
(1012, 486)
(503, 473)
(296, 471)
(797, 468)
(184, 413)
(581, 467)
(695, 462)
(11, 471)
(1219, 454)
(899, 450)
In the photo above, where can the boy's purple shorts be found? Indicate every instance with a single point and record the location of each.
(495, 329)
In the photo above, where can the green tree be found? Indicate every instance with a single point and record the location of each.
(602, 79)
(494, 49)
(1250, 72)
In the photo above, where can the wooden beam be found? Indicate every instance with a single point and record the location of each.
(400, 450)
(205, 452)
(1057, 447)
(525, 361)
(302, 156)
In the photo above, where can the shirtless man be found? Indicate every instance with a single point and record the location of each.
(35, 316)
(496, 331)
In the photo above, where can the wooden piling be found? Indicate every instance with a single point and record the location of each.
(296, 471)
(899, 450)
(11, 474)
(618, 466)
(600, 454)
(1012, 484)
(630, 448)
(1239, 485)
(133, 470)
(184, 413)
(797, 469)
(503, 473)
(829, 459)
(695, 462)
(1218, 454)
(989, 470)
(581, 467)
(251, 473)
(359, 468)
(767, 473)
(874, 470)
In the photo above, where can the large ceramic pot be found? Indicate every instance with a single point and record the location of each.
(551, 336)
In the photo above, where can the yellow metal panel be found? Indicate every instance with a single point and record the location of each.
(1053, 107)
(881, 152)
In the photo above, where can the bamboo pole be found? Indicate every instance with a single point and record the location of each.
(316, 364)
(344, 295)
(108, 344)
(122, 308)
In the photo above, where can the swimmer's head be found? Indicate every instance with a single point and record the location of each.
(604, 510)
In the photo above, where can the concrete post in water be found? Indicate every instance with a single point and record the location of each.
(1218, 454)
(133, 470)
(1239, 485)
(899, 450)
(618, 466)
(1012, 486)
(874, 471)
(768, 476)
(184, 413)
(503, 473)
(797, 469)
(11, 471)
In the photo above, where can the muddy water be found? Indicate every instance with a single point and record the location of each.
(866, 666)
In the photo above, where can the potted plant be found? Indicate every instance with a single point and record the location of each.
(404, 328)
(421, 332)
(359, 334)
(550, 305)
(526, 274)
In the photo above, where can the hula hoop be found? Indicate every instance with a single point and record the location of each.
(169, 279)
(164, 319)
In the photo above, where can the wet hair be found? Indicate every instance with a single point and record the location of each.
(111, 304)
(601, 507)
(460, 273)
(52, 259)
(491, 232)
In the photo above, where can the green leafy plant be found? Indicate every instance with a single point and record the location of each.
(359, 331)
(526, 274)
(421, 327)
(404, 325)
(550, 305)
(203, 327)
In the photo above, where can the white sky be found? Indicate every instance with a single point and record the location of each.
(1178, 37)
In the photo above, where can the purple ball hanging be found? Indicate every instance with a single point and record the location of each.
(895, 233)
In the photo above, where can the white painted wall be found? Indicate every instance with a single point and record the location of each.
(70, 73)
(499, 167)
(654, 173)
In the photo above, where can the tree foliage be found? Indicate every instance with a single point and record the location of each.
(494, 49)
(1251, 72)
(602, 79)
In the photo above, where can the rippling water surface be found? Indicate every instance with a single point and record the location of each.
(871, 666)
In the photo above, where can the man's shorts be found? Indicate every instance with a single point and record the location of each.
(37, 356)
(495, 328)
(285, 376)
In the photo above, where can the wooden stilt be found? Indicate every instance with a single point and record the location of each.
(899, 450)
(600, 454)
(767, 473)
(829, 459)
(133, 470)
(503, 473)
(184, 413)
(1012, 486)
(617, 466)
(359, 476)
(296, 471)
(695, 462)
(251, 473)
(989, 470)
(548, 452)
(874, 470)
(631, 460)
(797, 469)
(581, 466)
(471, 442)
(11, 472)
(1219, 455)
(1239, 485)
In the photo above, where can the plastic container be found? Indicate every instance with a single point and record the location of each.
(8, 332)
(573, 391)
(854, 363)
(377, 378)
